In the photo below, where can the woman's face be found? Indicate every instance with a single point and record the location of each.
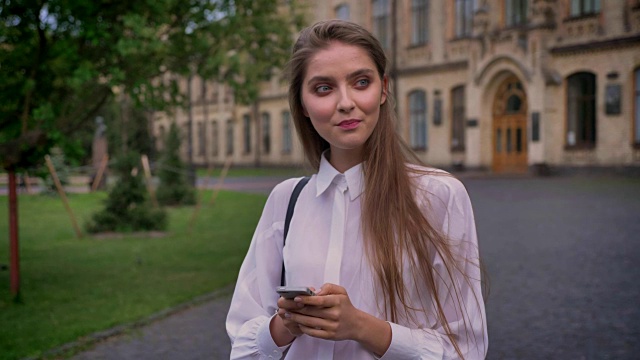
(342, 93)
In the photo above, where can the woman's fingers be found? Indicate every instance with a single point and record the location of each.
(292, 326)
(290, 304)
(331, 289)
(306, 323)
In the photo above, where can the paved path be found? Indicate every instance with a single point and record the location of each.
(191, 334)
(563, 259)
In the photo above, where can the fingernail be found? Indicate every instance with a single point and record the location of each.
(297, 299)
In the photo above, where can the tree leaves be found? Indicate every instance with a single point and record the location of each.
(61, 59)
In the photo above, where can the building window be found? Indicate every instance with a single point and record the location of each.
(202, 139)
(342, 12)
(516, 12)
(185, 141)
(464, 18)
(229, 137)
(581, 110)
(266, 133)
(381, 24)
(418, 119)
(419, 22)
(584, 7)
(636, 107)
(286, 132)
(214, 138)
(246, 131)
(457, 119)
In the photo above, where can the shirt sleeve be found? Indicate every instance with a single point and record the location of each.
(450, 207)
(254, 300)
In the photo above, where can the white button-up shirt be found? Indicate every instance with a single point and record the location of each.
(325, 245)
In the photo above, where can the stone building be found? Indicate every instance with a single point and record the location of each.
(501, 85)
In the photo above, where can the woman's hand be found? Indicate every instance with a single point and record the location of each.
(328, 315)
(283, 329)
(285, 307)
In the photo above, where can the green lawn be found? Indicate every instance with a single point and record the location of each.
(73, 287)
(255, 172)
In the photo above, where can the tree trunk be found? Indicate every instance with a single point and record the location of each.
(14, 250)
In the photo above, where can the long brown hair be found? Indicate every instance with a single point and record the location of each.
(395, 228)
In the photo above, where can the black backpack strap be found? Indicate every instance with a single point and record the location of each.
(287, 220)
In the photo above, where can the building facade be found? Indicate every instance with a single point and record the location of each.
(502, 85)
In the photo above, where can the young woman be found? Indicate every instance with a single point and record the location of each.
(389, 246)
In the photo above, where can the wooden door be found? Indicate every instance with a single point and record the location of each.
(510, 128)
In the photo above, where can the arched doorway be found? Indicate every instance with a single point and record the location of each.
(510, 127)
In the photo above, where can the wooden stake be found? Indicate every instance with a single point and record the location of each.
(196, 210)
(54, 175)
(101, 170)
(147, 175)
(223, 174)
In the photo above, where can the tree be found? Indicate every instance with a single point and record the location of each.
(62, 60)
(126, 208)
(173, 188)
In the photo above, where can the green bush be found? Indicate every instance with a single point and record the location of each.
(126, 208)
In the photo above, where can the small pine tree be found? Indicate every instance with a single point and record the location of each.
(126, 208)
(174, 188)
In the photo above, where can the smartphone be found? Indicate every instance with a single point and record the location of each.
(290, 292)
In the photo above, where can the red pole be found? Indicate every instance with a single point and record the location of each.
(14, 268)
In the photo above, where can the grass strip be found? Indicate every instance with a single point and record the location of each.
(74, 287)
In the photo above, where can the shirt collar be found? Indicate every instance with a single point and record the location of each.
(327, 173)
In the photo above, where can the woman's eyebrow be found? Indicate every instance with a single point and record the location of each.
(354, 74)
(319, 78)
(360, 72)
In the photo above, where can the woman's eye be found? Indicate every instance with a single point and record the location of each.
(322, 88)
(362, 82)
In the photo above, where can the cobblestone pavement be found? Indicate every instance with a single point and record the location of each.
(562, 256)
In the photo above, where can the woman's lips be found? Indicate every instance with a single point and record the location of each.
(349, 124)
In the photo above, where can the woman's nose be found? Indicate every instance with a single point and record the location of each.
(345, 103)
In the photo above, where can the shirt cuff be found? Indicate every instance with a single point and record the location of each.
(409, 343)
(266, 345)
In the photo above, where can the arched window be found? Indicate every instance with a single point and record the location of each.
(381, 23)
(418, 119)
(584, 7)
(516, 12)
(202, 138)
(419, 22)
(229, 137)
(457, 118)
(581, 110)
(214, 138)
(266, 133)
(286, 132)
(246, 131)
(464, 17)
